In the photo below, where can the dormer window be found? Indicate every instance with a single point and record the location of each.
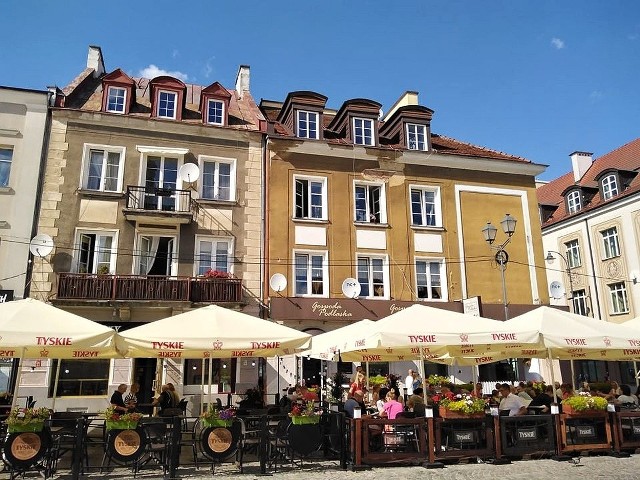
(609, 186)
(116, 99)
(215, 112)
(416, 136)
(306, 124)
(363, 131)
(167, 104)
(574, 201)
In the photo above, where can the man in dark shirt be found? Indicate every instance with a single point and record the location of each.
(544, 399)
(355, 401)
(117, 399)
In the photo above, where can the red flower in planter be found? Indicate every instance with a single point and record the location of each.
(216, 274)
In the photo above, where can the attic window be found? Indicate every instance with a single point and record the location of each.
(116, 101)
(306, 124)
(609, 186)
(215, 112)
(574, 201)
(416, 136)
(167, 104)
(363, 131)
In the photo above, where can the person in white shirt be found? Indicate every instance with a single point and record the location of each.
(511, 402)
(408, 383)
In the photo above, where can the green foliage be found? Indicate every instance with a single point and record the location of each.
(584, 401)
(438, 380)
(377, 380)
(26, 416)
(463, 403)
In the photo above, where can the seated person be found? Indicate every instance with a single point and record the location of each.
(117, 399)
(625, 398)
(543, 399)
(131, 400)
(354, 401)
(164, 402)
(513, 403)
(416, 405)
(392, 406)
(520, 389)
(382, 398)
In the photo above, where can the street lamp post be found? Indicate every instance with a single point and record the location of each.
(508, 224)
(550, 259)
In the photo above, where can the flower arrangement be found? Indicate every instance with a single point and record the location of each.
(121, 421)
(216, 274)
(584, 401)
(462, 402)
(538, 387)
(303, 413)
(215, 417)
(438, 380)
(27, 419)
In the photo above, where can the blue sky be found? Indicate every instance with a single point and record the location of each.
(539, 79)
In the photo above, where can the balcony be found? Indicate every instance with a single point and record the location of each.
(122, 288)
(161, 206)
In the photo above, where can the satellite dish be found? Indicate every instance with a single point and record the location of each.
(189, 172)
(351, 288)
(556, 289)
(41, 245)
(278, 282)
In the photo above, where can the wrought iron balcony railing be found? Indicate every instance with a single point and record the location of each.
(154, 199)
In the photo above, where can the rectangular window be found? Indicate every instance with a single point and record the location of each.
(218, 178)
(425, 207)
(619, 300)
(215, 112)
(579, 301)
(574, 201)
(310, 198)
(311, 273)
(370, 206)
(572, 250)
(213, 254)
(167, 104)
(610, 243)
(609, 187)
(416, 137)
(103, 169)
(307, 124)
(429, 279)
(80, 378)
(6, 156)
(95, 252)
(116, 99)
(223, 373)
(373, 276)
(363, 131)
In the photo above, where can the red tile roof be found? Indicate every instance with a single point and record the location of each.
(627, 158)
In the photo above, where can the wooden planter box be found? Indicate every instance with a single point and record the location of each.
(445, 413)
(568, 410)
(26, 427)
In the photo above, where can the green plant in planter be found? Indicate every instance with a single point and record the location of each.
(584, 401)
(336, 390)
(463, 403)
(438, 380)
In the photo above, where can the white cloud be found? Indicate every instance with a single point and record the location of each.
(633, 36)
(596, 95)
(152, 71)
(557, 43)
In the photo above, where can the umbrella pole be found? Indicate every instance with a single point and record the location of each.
(18, 376)
(635, 371)
(424, 390)
(209, 397)
(573, 375)
(55, 385)
(366, 366)
(203, 366)
(553, 379)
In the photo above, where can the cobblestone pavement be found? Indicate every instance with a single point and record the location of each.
(589, 467)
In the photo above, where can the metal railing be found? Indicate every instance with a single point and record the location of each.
(158, 199)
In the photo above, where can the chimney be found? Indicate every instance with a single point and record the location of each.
(242, 80)
(580, 161)
(56, 96)
(407, 98)
(95, 61)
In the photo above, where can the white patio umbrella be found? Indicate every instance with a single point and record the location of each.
(30, 328)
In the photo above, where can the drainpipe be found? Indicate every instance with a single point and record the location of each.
(264, 264)
(593, 270)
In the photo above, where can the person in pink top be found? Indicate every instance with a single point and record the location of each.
(392, 407)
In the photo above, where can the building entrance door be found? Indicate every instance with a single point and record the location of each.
(144, 374)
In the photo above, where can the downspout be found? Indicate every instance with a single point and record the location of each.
(39, 188)
(264, 265)
(593, 270)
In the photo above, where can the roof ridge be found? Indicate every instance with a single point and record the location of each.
(481, 147)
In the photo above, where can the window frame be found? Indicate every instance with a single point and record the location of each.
(609, 185)
(222, 111)
(408, 133)
(124, 99)
(309, 207)
(610, 250)
(86, 163)
(308, 135)
(442, 274)
(368, 213)
(12, 150)
(614, 302)
(102, 382)
(95, 253)
(574, 201)
(371, 285)
(232, 162)
(573, 254)
(579, 302)
(159, 105)
(370, 121)
(423, 214)
(214, 240)
(309, 273)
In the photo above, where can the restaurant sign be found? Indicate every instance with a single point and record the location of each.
(6, 296)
